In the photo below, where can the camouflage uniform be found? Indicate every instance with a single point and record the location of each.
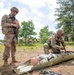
(54, 43)
(9, 39)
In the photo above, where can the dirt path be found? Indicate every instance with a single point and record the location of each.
(66, 68)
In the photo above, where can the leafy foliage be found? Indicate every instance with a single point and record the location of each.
(65, 14)
(27, 30)
(45, 33)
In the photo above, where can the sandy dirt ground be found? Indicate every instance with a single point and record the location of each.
(66, 68)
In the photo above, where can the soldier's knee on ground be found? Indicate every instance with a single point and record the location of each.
(46, 45)
(46, 48)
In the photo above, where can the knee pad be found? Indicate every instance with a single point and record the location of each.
(45, 44)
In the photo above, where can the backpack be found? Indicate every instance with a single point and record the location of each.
(6, 30)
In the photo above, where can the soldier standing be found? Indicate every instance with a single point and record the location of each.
(55, 42)
(8, 30)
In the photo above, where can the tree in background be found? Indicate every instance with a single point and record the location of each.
(45, 34)
(27, 30)
(1, 41)
(65, 14)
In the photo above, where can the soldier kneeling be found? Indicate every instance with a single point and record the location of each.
(54, 42)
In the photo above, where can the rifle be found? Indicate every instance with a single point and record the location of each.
(15, 29)
(16, 32)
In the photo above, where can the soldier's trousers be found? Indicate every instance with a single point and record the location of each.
(10, 46)
(47, 47)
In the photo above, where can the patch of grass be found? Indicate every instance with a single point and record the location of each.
(1, 47)
(70, 43)
(31, 47)
(39, 45)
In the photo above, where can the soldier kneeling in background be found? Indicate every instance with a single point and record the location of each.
(54, 42)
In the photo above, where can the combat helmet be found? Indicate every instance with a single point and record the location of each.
(60, 31)
(14, 9)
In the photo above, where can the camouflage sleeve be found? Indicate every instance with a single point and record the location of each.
(3, 22)
(48, 41)
(53, 43)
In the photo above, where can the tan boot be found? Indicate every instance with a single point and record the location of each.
(14, 60)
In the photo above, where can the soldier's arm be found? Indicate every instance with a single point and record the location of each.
(4, 23)
(53, 43)
(18, 26)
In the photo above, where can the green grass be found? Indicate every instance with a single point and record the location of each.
(20, 48)
(33, 47)
(70, 43)
(1, 48)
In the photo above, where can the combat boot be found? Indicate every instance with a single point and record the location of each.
(14, 60)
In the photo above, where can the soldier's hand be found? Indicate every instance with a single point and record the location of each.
(62, 48)
(62, 41)
(15, 25)
(15, 22)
